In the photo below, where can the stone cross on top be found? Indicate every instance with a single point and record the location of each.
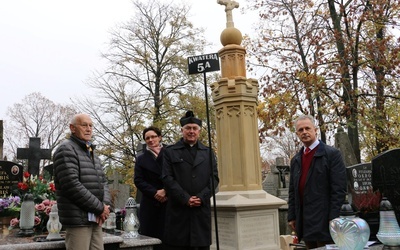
(34, 154)
(229, 6)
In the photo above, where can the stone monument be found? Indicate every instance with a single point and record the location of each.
(121, 191)
(10, 175)
(342, 142)
(247, 216)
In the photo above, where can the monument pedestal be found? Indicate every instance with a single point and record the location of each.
(247, 220)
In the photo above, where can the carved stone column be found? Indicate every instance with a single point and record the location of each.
(247, 216)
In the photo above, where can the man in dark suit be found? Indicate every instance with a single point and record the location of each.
(317, 186)
(187, 178)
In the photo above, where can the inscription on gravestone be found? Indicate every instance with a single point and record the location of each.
(359, 177)
(10, 175)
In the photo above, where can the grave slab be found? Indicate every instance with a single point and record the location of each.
(10, 175)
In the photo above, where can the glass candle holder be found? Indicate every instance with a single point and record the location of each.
(348, 231)
(389, 231)
(131, 222)
(27, 216)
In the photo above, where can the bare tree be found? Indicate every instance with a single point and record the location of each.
(150, 52)
(36, 116)
(145, 81)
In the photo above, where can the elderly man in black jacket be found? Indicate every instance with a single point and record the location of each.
(83, 196)
(187, 178)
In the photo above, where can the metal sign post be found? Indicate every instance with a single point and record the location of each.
(203, 64)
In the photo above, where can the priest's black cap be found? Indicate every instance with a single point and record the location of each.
(189, 118)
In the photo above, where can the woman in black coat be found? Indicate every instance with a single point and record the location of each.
(148, 180)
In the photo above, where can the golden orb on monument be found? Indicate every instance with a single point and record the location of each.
(231, 35)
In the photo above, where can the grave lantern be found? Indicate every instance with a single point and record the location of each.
(110, 224)
(349, 231)
(131, 222)
(27, 216)
(389, 231)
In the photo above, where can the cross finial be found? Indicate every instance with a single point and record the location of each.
(229, 6)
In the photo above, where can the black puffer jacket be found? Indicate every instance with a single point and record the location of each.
(80, 183)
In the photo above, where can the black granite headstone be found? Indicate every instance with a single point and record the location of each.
(386, 176)
(49, 168)
(10, 174)
(359, 178)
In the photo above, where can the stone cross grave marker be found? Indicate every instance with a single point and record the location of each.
(34, 154)
(229, 6)
(121, 190)
(10, 175)
(276, 182)
(386, 176)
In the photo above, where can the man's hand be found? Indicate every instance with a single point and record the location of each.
(194, 201)
(161, 195)
(292, 224)
(103, 216)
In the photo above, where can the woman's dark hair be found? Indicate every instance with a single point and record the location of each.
(155, 129)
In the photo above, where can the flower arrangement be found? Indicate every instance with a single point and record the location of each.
(367, 202)
(42, 211)
(41, 187)
(43, 190)
(10, 206)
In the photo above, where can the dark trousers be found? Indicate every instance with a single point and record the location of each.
(169, 247)
(316, 244)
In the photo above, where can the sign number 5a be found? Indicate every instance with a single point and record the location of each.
(203, 63)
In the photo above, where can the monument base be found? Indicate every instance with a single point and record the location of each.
(247, 220)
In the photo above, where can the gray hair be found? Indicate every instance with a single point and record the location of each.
(304, 117)
(77, 117)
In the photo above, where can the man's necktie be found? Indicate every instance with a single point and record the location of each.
(307, 150)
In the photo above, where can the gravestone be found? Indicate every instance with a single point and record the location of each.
(1, 139)
(121, 191)
(359, 178)
(10, 174)
(277, 181)
(271, 182)
(49, 168)
(386, 176)
(139, 150)
(34, 154)
(283, 193)
(362, 197)
(342, 142)
(283, 170)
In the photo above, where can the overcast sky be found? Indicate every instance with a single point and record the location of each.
(53, 46)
